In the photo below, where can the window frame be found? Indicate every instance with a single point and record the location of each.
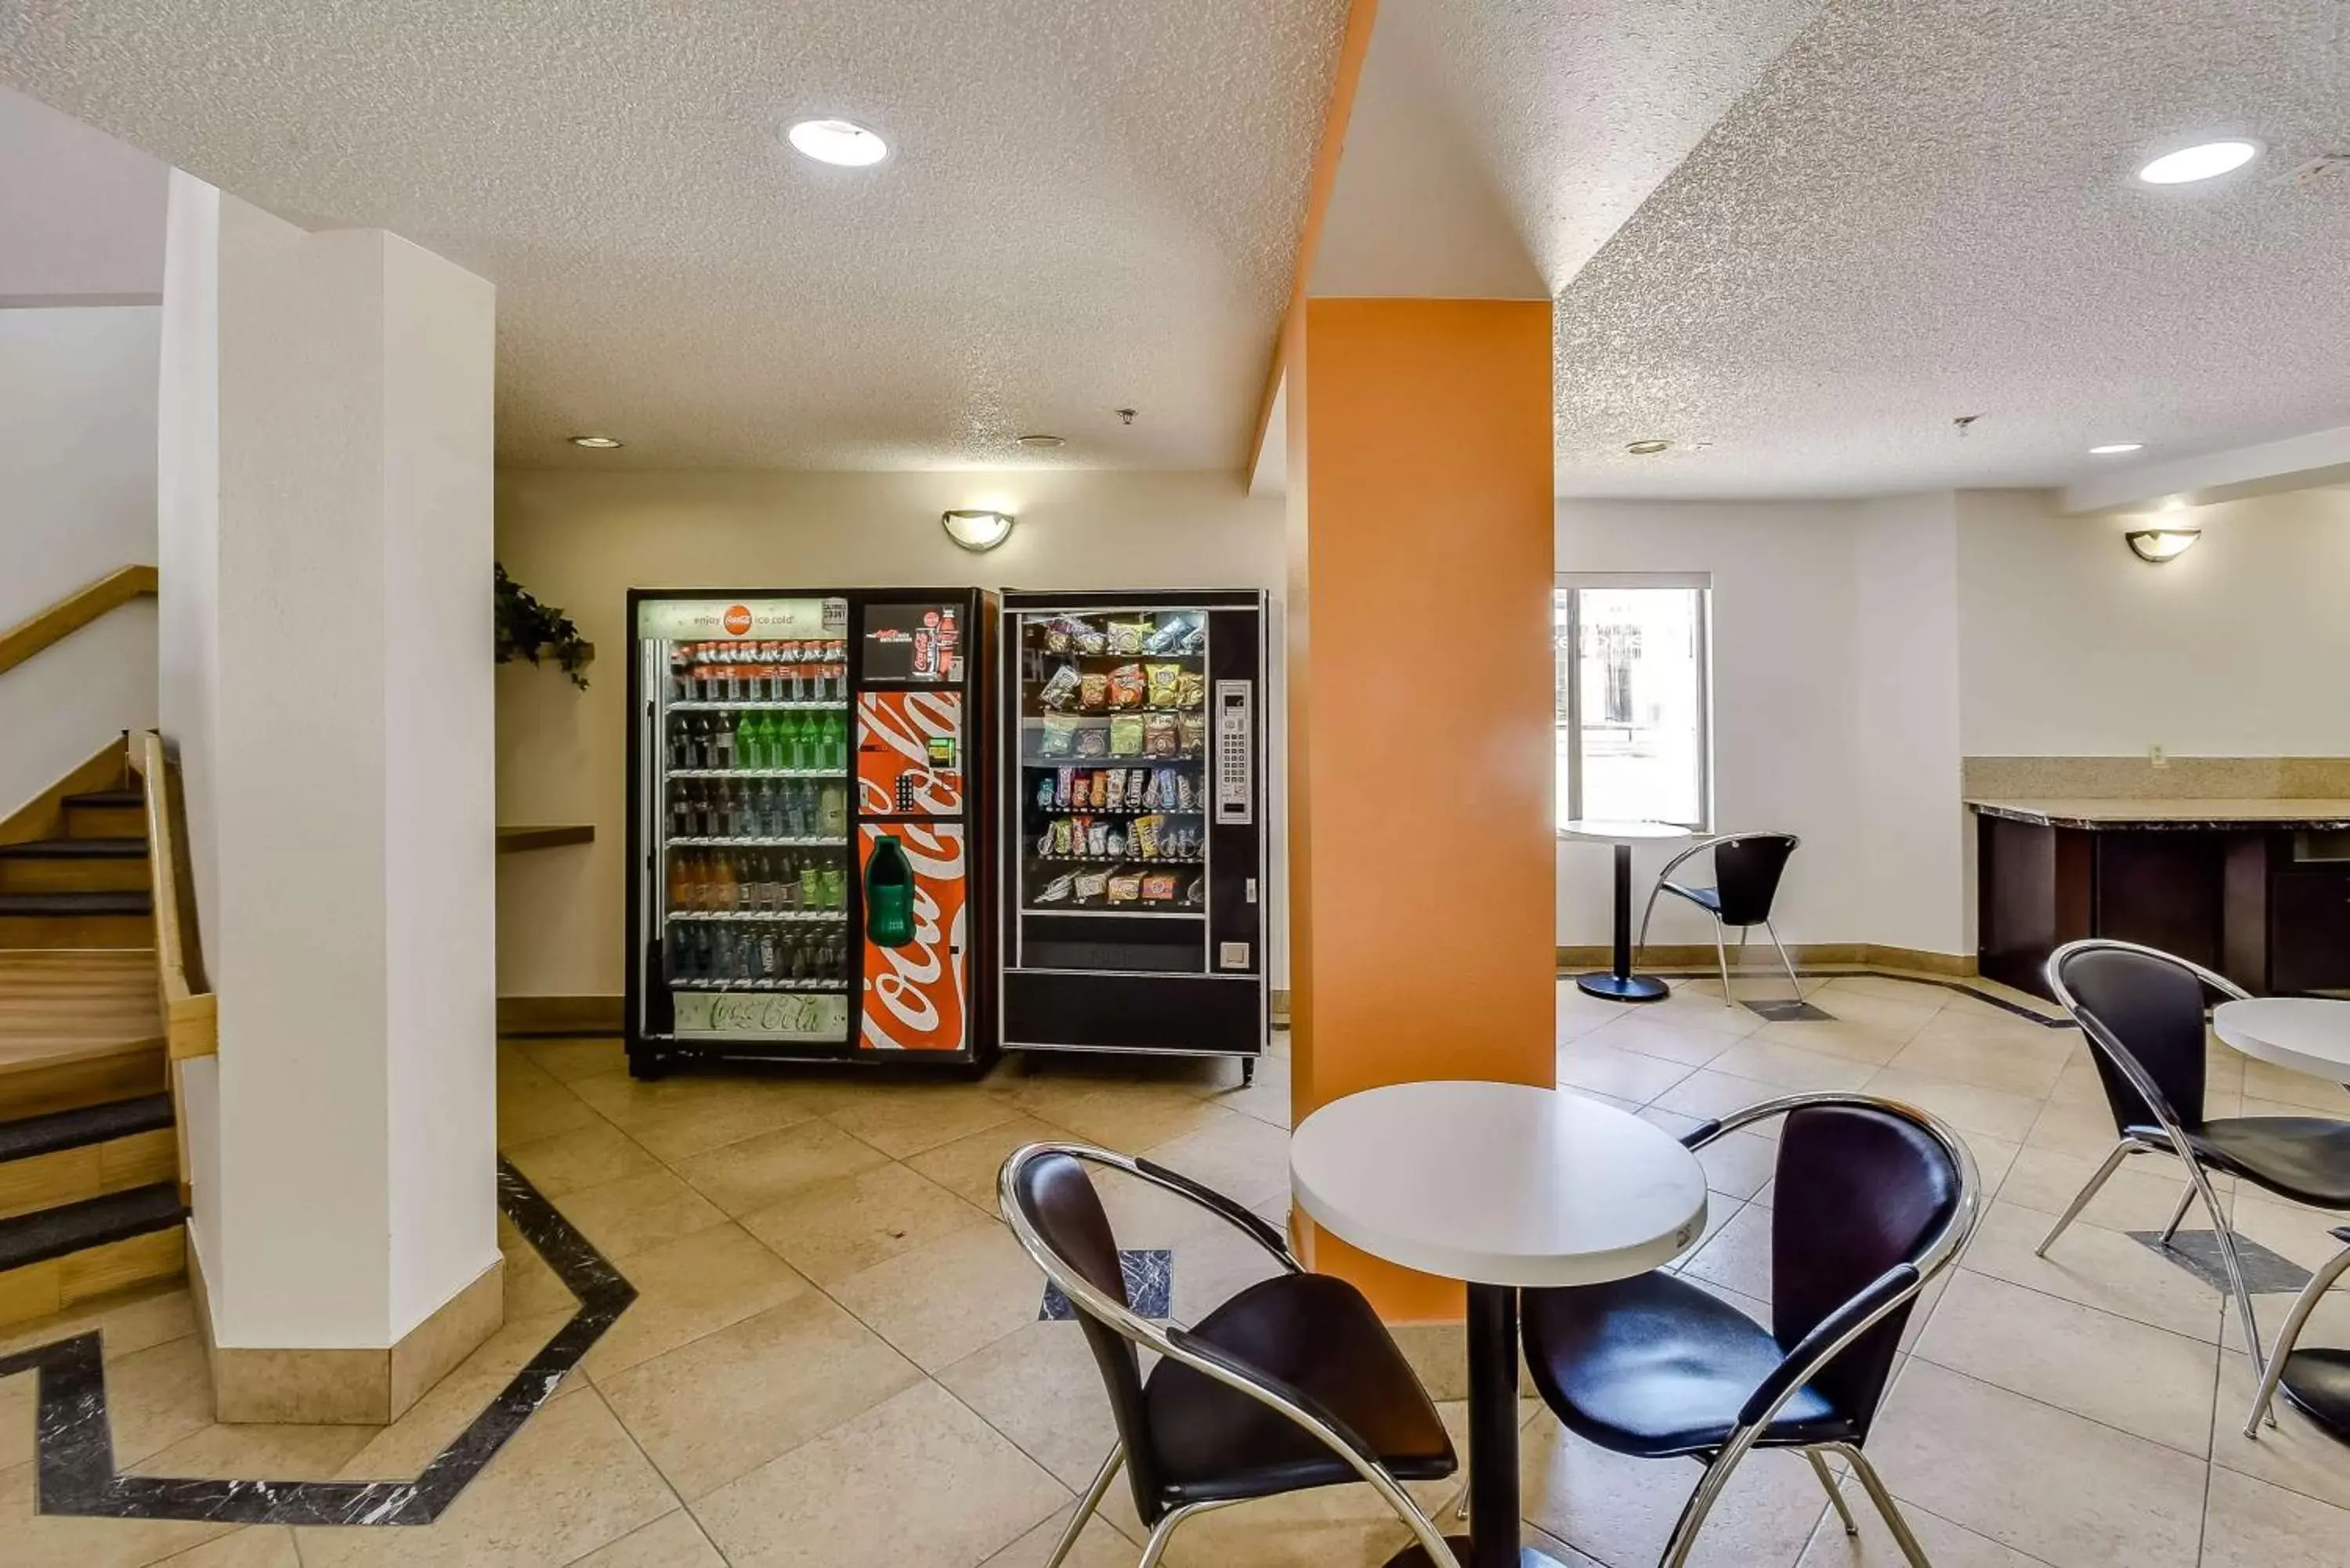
(1570, 585)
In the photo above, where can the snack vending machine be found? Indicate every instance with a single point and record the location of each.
(1133, 838)
(809, 832)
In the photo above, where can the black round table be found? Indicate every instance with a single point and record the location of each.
(1618, 984)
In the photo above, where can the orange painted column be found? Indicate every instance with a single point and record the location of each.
(1422, 940)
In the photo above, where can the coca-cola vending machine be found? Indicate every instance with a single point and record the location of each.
(778, 737)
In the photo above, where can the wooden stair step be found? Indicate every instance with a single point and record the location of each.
(67, 1156)
(78, 1027)
(27, 1136)
(121, 919)
(54, 1258)
(67, 906)
(48, 1233)
(129, 794)
(105, 814)
(74, 866)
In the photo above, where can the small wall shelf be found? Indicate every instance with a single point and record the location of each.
(513, 840)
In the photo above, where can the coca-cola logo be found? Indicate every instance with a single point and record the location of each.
(737, 620)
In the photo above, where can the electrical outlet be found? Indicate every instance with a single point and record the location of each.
(2157, 757)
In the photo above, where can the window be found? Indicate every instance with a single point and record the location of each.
(1635, 715)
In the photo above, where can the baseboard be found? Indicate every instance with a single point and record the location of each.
(1700, 957)
(559, 1014)
(346, 1388)
(1281, 1009)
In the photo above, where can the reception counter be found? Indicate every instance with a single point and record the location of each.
(2257, 889)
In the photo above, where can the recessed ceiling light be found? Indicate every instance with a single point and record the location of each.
(2115, 448)
(599, 444)
(2198, 162)
(840, 141)
(1040, 441)
(1649, 448)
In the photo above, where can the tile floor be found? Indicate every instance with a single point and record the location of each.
(837, 1358)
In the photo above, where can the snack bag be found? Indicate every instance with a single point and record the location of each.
(1091, 883)
(1197, 893)
(1194, 729)
(1127, 686)
(1061, 786)
(1159, 887)
(1057, 891)
(1125, 735)
(1117, 845)
(1135, 789)
(1196, 640)
(1128, 635)
(1093, 740)
(1160, 736)
(1060, 688)
(1187, 790)
(1098, 838)
(1059, 737)
(1099, 795)
(1125, 889)
(1166, 682)
(1060, 836)
(1167, 637)
(1143, 843)
(1191, 689)
(1045, 792)
(1093, 692)
(1089, 639)
(1114, 796)
(1056, 635)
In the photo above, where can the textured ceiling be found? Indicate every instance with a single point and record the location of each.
(1925, 209)
(1091, 206)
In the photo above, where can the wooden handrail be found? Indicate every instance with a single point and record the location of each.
(191, 1018)
(73, 612)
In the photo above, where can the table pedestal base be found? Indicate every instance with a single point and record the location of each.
(2318, 1383)
(1413, 1557)
(1622, 987)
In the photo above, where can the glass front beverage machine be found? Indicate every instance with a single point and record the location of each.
(1133, 827)
(777, 739)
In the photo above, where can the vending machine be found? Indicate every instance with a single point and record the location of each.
(1133, 840)
(809, 828)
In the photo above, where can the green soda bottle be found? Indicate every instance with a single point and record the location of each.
(889, 894)
(749, 741)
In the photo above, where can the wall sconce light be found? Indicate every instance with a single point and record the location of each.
(977, 530)
(2160, 544)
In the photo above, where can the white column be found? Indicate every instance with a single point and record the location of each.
(337, 619)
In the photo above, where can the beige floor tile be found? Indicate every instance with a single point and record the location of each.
(625, 1217)
(1986, 1064)
(836, 1228)
(2093, 1267)
(2303, 1235)
(537, 1109)
(906, 1119)
(1579, 1014)
(1123, 1115)
(1706, 1093)
(156, 1396)
(1792, 1067)
(127, 1322)
(1947, 1546)
(692, 1287)
(1621, 1510)
(1245, 1159)
(1847, 1040)
(1145, 1214)
(1739, 1163)
(568, 1481)
(567, 1061)
(768, 1167)
(2138, 1197)
(1267, 1099)
(2082, 1128)
(400, 1450)
(532, 1288)
(947, 1298)
(2249, 1524)
(1692, 1042)
(969, 1166)
(255, 1546)
(2144, 1380)
(249, 1450)
(2046, 1482)
(1593, 1064)
(1738, 1257)
(2266, 1081)
(2296, 1454)
(585, 1157)
(1041, 1388)
(1965, 1107)
(1903, 1015)
(923, 1479)
(1916, 994)
(728, 1402)
(1100, 1547)
(672, 1541)
(29, 1539)
(678, 1117)
(1957, 1024)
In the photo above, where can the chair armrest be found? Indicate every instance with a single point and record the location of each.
(1826, 1340)
(1225, 1208)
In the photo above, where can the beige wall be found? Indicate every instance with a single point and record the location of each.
(581, 541)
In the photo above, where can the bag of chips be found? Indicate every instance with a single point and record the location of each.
(1125, 889)
(1098, 838)
(1160, 736)
(1135, 788)
(1090, 885)
(1117, 845)
(1159, 887)
(1191, 689)
(1143, 843)
(1166, 682)
(1187, 792)
(1093, 740)
(1125, 735)
(1060, 688)
(1045, 791)
(1089, 639)
(1114, 792)
(1057, 891)
(1168, 637)
(1093, 692)
(1197, 893)
(1060, 836)
(1127, 686)
(1098, 797)
(1059, 737)
(1061, 633)
(1128, 635)
(1195, 731)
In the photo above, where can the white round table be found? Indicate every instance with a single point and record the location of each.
(2306, 1033)
(1619, 983)
(1501, 1186)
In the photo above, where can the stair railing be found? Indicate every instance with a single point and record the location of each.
(190, 1010)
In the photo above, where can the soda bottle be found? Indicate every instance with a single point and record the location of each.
(681, 810)
(721, 882)
(832, 817)
(778, 748)
(680, 880)
(811, 883)
(888, 895)
(748, 741)
(787, 881)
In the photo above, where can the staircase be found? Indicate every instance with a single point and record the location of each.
(89, 1168)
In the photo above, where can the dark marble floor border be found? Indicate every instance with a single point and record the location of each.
(75, 1443)
(1961, 986)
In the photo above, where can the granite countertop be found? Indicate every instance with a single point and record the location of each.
(2171, 813)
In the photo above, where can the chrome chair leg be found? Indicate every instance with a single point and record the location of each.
(1723, 958)
(1890, 1510)
(1836, 1492)
(2235, 1270)
(1160, 1533)
(1640, 944)
(1785, 962)
(1700, 1502)
(2303, 1305)
(2120, 1152)
(1087, 1504)
(2185, 1197)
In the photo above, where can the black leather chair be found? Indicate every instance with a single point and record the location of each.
(2142, 1010)
(1746, 871)
(1292, 1384)
(1874, 1199)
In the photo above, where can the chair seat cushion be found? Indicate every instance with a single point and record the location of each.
(2306, 1159)
(1318, 1334)
(1704, 897)
(1657, 1368)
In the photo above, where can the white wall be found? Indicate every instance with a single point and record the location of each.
(82, 214)
(76, 502)
(581, 541)
(1784, 701)
(2070, 645)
